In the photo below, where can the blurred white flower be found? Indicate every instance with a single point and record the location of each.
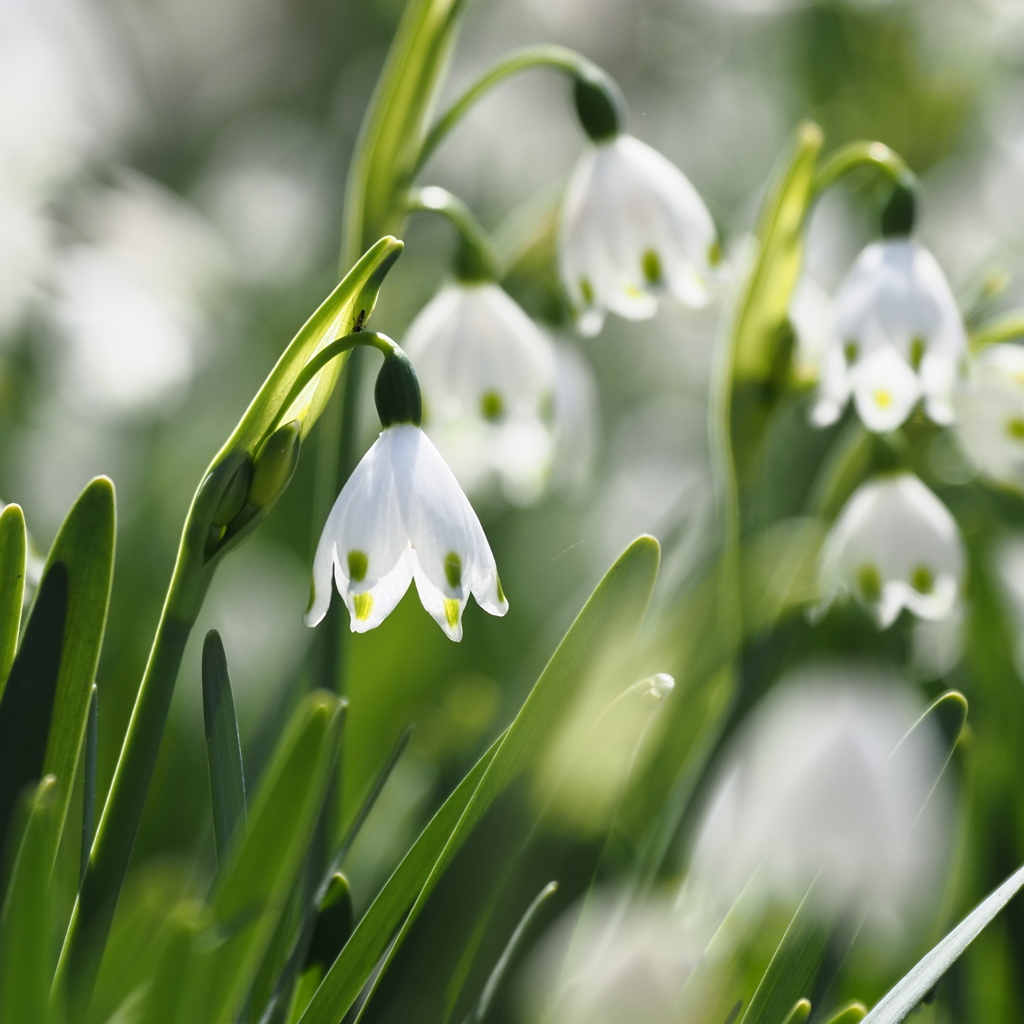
(26, 243)
(990, 414)
(813, 318)
(131, 304)
(898, 338)
(402, 517)
(894, 546)
(620, 964)
(632, 226)
(487, 372)
(577, 421)
(936, 646)
(826, 777)
(1008, 566)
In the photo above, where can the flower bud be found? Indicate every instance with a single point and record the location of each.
(232, 500)
(599, 104)
(275, 464)
(900, 210)
(397, 391)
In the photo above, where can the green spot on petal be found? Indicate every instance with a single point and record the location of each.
(916, 352)
(1015, 428)
(492, 406)
(715, 253)
(501, 593)
(357, 565)
(922, 579)
(851, 350)
(363, 604)
(650, 263)
(451, 612)
(587, 290)
(453, 569)
(869, 583)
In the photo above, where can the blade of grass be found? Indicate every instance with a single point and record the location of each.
(89, 780)
(223, 747)
(13, 543)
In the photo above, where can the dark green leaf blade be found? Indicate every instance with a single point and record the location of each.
(223, 747)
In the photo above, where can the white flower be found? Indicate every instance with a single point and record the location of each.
(401, 517)
(898, 338)
(487, 372)
(990, 414)
(894, 546)
(632, 226)
(825, 777)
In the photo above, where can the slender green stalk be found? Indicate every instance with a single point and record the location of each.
(558, 58)
(475, 260)
(1003, 328)
(856, 155)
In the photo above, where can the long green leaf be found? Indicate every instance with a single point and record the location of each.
(27, 706)
(900, 1000)
(85, 546)
(12, 584)
(223, 747)
(260, 875)
(608, 623)
(26, 948)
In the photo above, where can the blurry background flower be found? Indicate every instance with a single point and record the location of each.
(814, 782)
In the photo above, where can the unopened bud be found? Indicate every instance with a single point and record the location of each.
(232, 500)
(275, 464)
(397, 391)
(599, 104)
(900, 210)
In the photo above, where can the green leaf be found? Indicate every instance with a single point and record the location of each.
(764, 305)
(27, 705)
(396, 123)
(89, 781)
(849, 1013)
(171, 993)
(900, 1000)
(254, 888)
(606, 627)
(800, 1012)
(12, 585)
(26, 949)
(223, 747)
(85, 546)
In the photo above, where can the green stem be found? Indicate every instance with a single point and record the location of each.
(559, 58)
(1003, 328)
(860, 154)
(475, 259)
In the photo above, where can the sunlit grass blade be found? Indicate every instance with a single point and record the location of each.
(800, 1012)
(89, 780)
(223, 747)
(849, 1013)
(171, 992)
(26, 948)
(497, 976)
(608, 622)
(85, 546)
(27, 706)
(901, 1000)
(12, 584)
(255, 885)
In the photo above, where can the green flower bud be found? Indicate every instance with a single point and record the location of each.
(275, 464)
(900, 210)
(600, 106)
(232, 500)
(397, 391)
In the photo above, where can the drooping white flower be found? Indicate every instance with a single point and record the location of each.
(632, 226)
(826, 781)
(898, 338)
(614, 963)
(990, 414)
(487, 372)
(402, 517)
(894, 546)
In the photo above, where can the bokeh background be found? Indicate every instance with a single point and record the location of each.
(171, 187)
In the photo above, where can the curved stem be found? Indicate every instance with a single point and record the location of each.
(1003, 328)
(559, 58)
(860, 154)
(475, 260)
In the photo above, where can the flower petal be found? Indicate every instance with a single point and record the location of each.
(885, 389)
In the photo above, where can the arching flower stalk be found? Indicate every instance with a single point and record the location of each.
(894, 546)
(898, 339)
(402, 517)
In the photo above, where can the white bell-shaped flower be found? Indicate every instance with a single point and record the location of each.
(898, 338)
(401, 517)
(487, 372)
(990, 414)
(632, 226)
(894, 546)
(826, 780)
